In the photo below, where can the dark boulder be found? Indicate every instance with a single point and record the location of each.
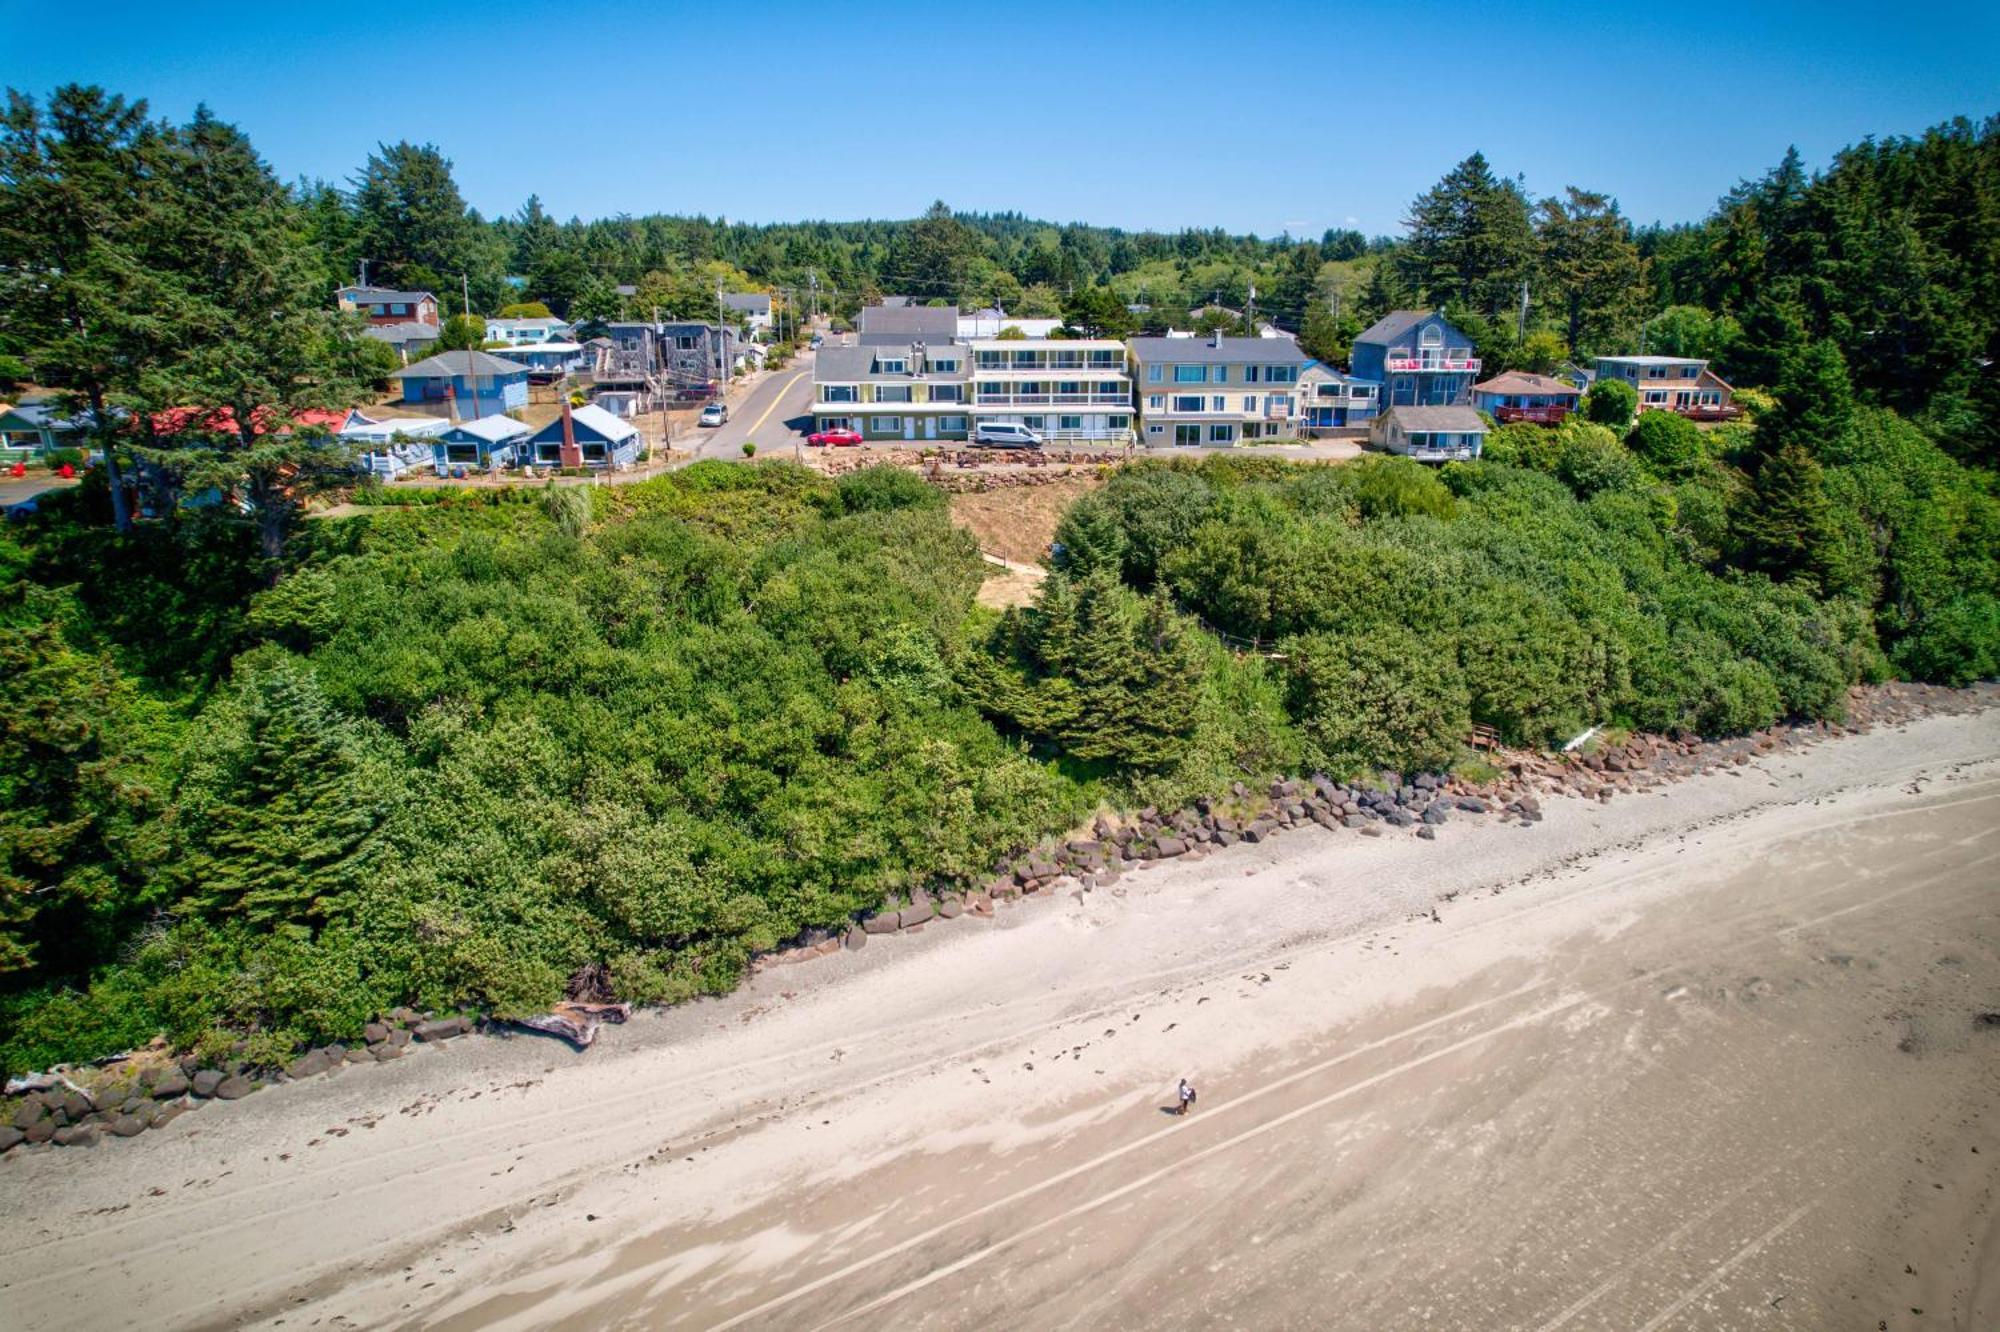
(206, 1081)
(41, 1130)
(234, 1089)
(310, 1064)
(886, 922)
(170, 1085)
(1437, 813)
(76, 1135)
(127, 1126)
(443, 1029)
(10, 1138)
(916, 913)
(1169, 847)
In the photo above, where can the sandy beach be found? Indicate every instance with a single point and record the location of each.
(1713, 1056)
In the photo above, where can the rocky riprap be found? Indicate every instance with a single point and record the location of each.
(149, 1090)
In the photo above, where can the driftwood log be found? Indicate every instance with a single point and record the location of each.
(576, 1023)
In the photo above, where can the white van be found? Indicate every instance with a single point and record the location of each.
(1004, 435)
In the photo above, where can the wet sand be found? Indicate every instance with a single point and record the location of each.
(1707, 1059)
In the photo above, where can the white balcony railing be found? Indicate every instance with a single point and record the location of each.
(1054, 400)
(1401, 360)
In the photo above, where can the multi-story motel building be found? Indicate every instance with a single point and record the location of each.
(1216, 390)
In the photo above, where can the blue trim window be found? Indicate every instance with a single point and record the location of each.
(1190, 374)
(1152, 374)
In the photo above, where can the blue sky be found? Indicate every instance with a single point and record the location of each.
(1251, 116)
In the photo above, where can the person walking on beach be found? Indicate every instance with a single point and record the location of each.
(1187, 1097)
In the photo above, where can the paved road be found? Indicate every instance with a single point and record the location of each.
(772, 414)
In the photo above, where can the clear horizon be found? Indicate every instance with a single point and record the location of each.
(803, 113)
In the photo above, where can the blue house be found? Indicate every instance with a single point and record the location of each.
(546, 361)
(478, 383)
(1330, 400)
(392, 445)
(491, 441)
(1419, 359)
(602, 440)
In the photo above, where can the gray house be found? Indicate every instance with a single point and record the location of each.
(754, 306)
(907, 391)
(1430, 434)
(893, 325)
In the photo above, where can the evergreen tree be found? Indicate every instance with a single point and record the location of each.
(259, 345)
(1785, 525)
(77, 299)
(1670, 443)
(1470, 240)
(932, 258)
(1590, 268)
(1815, 403)
(413, 228)
(280, 804)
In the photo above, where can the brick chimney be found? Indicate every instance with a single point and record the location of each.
(572, 456)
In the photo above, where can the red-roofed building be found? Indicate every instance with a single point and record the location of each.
(192, 420)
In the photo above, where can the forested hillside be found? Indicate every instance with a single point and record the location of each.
(263, 774)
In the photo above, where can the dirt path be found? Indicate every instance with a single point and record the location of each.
(1707, 1059)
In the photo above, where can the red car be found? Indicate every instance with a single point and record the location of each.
(839, 437)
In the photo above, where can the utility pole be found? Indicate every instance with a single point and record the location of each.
(465, 291)
(364, 272)
(1521, 325)
(812, 280)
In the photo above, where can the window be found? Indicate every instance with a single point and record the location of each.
(992, 360)
(1281, 403)
(1190, 374)
(1220, 434)
(1187, 434)
(892, 393)
(1069, 386)
(1069, 423)
(836, 423)
(1249, 374)
(885, 423)
(1656, 372)
(1282, 374)
(947, 393)
(400, 307)
(945, 367)
(1120, 422)
(1249, 402)
(1035, 422)
(836, 393)
(1656, 395)
(1156, 430)
(1688, 372)
(1432, 336)
(1156, 402)
(895, 367)
(1222, 374)
(1152, 374)
(950, 423)
(685, 342)
(1188, 404)
(1111, 388)
(1219, 404)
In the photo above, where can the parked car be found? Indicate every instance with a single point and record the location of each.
(715, 414)
(839, 437)
(816, 341)
(696, 393)
(1004, 435)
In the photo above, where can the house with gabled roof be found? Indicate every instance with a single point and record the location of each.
(1430, 434)
(490, 441)
(472, 383)
(1517, 395)
(1331, 399)
(1418, 357)
(383, 305)
(754, 306)
(584, 437)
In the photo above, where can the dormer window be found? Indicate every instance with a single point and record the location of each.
(888, 367)
(1433, 336)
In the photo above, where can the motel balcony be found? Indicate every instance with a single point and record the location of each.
(1054, 400)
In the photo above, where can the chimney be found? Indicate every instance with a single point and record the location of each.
(572, 456)
(1215, 338)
